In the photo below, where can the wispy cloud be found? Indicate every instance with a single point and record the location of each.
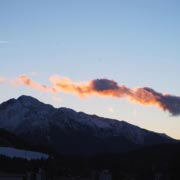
(25, 80)
(4, 42)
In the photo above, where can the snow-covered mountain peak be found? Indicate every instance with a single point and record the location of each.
(42, 122)
(26, 99)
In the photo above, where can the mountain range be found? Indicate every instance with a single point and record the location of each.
(69, 132)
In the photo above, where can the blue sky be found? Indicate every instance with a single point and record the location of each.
(134, 42)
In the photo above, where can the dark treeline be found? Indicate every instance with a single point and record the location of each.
(141, 164)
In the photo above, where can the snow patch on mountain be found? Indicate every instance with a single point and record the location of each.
(19, 153)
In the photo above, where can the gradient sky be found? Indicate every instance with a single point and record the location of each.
(134, 42)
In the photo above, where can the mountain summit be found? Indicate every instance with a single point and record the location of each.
(71, 132)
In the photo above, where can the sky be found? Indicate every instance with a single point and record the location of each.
(95, 44)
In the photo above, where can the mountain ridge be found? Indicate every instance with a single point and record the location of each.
(67, 130)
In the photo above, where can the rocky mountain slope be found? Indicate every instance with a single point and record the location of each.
(71, 132)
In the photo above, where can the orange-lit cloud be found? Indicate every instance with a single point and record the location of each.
(101, 87)
(104, 88)
(110, 88)
(24, 80)
(64, 84)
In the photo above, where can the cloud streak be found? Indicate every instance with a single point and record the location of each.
(110, 88)
(104, 88)
(25, 80)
